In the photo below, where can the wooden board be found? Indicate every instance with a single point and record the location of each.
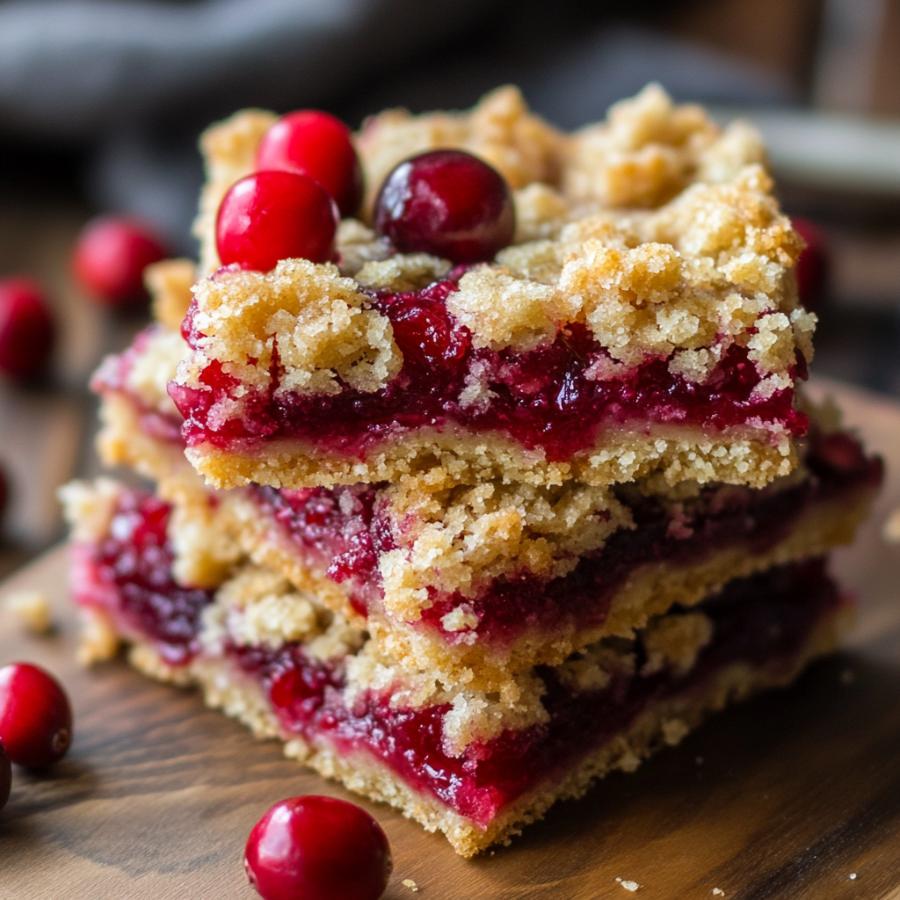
(787, 796)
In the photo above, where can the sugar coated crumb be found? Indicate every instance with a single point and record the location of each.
(628, 884)
(852, 876)
(717, 892)
(32, 608)
(409, 883)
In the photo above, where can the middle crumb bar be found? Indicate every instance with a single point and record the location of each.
(477, 582)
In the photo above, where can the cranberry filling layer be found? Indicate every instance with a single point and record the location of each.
(341, 533)
(545, 398)
(763, 621)
(129, 576)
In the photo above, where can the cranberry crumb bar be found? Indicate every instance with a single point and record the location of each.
(481, 463)
(475, 765)
(644, 317)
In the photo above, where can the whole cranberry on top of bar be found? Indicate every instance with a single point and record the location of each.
(618, 301)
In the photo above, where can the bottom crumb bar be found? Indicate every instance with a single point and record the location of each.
(477, 766)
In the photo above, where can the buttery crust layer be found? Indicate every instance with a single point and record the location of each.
(678, 454)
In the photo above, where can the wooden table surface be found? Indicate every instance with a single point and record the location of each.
(787, 796)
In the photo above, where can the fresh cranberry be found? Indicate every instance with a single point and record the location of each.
(35, 716)
(270, 216)
(5, 777)
(449, 203)
(27, 330)
(812, 265)
(316, 144)
(318, 848)
(110, 257)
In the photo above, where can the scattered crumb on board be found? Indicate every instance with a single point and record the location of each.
(409, 883)
(32, 609)
(628, 884)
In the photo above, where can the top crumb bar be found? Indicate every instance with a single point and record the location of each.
(644, 319)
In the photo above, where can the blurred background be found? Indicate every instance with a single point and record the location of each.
(101, 104)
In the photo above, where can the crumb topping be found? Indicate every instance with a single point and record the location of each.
(674, 642)
(88, 507)
(152, 369)
(457, 538)
(314, 320)
(204, 553)
(169, 284)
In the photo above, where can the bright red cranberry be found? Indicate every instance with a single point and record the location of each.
(812, 265)
(270, 216)
(5, 777)
(27, 330)
(318, 848)
(448, 203)
(35, 716)
(318, 145)
(110, 257)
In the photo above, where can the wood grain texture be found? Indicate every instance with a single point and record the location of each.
(785, 796)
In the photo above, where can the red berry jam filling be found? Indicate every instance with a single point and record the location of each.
(544, 398)
(341, 533)
(128, 574)
(338, 531)
(762, 621)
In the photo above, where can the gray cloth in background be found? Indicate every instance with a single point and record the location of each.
(135, 81)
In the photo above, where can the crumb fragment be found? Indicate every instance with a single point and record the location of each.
(892, 528)
(32, 608)
(99, 641)
(717, 892)
(409, 883)
(852, 876)
(628, 884)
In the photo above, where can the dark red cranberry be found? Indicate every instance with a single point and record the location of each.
(318, 848)
(5, 777)
(110, 257)
(449, 203)
(270, 216)
(812, 264)
(27, 330)
(35, 716)
(316, 144)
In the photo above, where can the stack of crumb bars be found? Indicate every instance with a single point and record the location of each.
(468, 538)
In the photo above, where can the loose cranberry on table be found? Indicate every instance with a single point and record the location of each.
(812, 265)
(316, 144)
(27, 329)
(270, 216)
(110, 257)
(35, 716)
(5, 777)
(318, 848)
(448, 203)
